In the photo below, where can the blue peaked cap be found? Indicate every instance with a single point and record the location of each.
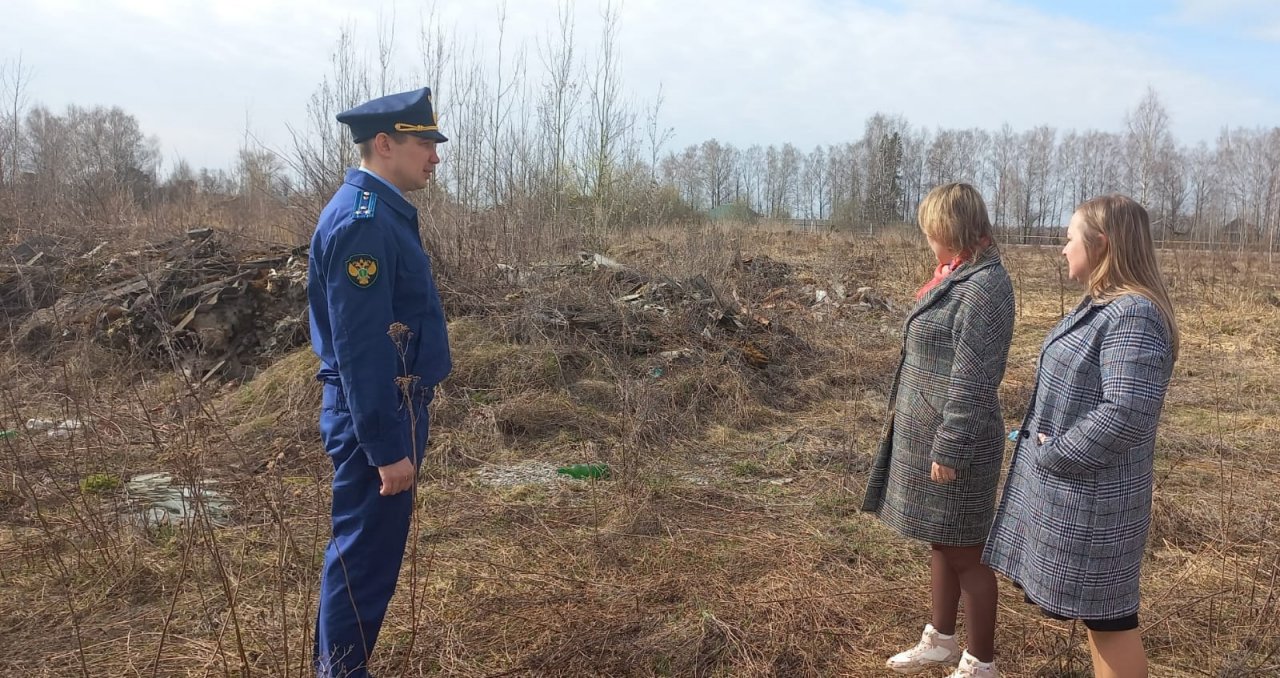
(406, 113)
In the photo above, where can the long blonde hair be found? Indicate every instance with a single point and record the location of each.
(1124, 257)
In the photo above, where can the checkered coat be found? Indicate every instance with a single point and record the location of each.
(1072, 524)
(944, 407)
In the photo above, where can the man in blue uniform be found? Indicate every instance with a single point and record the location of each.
(379, 329)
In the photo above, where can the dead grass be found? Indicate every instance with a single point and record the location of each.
(729, 542)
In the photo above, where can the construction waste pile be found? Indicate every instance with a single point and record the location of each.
(205, 303)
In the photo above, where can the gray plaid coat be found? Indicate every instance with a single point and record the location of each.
(1072, 524)
(945, 407)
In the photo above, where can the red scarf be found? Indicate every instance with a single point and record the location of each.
(940, 273)
(944, 270)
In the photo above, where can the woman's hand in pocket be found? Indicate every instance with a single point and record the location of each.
(942, 474)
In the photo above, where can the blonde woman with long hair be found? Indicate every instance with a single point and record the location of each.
(1072, 524)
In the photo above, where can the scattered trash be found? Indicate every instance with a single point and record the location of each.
(656, 372)
(676, 355)
(5, 435)
(820, 296)
(599, 261)
(55, 428)
(160, 500)
(94, 252)
(585, 471)
(867, 298)
(781, 481)
(518, 277)
(65, 429)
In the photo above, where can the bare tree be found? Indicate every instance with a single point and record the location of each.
(1071, 168)
(848, 165)
(915, 147)
(323, 148)
(1271, 206)
(656, 136)
(817, 186)
(495, 116)
(386, 51)
(752, 177)
(1202, 171)
(15, 79)
(1148, 144)
(47, 156)
(883, 140)
(558, 106)
(1034, 185)
(717, 168)
(606, 125)
(1171, 191)
(1104, 164)
(941, 160)
(1003, 177)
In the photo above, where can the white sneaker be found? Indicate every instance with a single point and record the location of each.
(970, 667)
(933, 650)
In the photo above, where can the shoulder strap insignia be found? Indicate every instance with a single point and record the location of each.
(366, 201)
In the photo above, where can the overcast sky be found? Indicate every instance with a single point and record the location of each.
(198, 74)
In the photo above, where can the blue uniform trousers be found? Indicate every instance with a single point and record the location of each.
(362, 562)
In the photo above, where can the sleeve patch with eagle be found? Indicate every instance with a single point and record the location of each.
(362, 270)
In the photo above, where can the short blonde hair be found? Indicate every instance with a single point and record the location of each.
(956, 216)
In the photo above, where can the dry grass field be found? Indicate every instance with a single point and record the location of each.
(738, 414)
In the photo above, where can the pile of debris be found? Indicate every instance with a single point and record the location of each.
(196, 302)
(627, 311)
(805, 294)
(28, 279)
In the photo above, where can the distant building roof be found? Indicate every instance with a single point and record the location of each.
(732, 211)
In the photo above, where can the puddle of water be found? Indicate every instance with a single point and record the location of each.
(160, 499)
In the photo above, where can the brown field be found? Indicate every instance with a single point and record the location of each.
(727, 543)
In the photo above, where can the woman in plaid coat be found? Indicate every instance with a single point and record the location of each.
(935, 476)
(1072, 524)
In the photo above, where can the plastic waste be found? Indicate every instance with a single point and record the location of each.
(585, 471)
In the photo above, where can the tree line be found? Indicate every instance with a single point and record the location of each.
(546, 133)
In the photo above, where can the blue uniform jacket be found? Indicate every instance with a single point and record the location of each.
(368, 270)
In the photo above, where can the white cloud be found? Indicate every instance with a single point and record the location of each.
(814, 72)
(1253, 18)
(744, 71)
